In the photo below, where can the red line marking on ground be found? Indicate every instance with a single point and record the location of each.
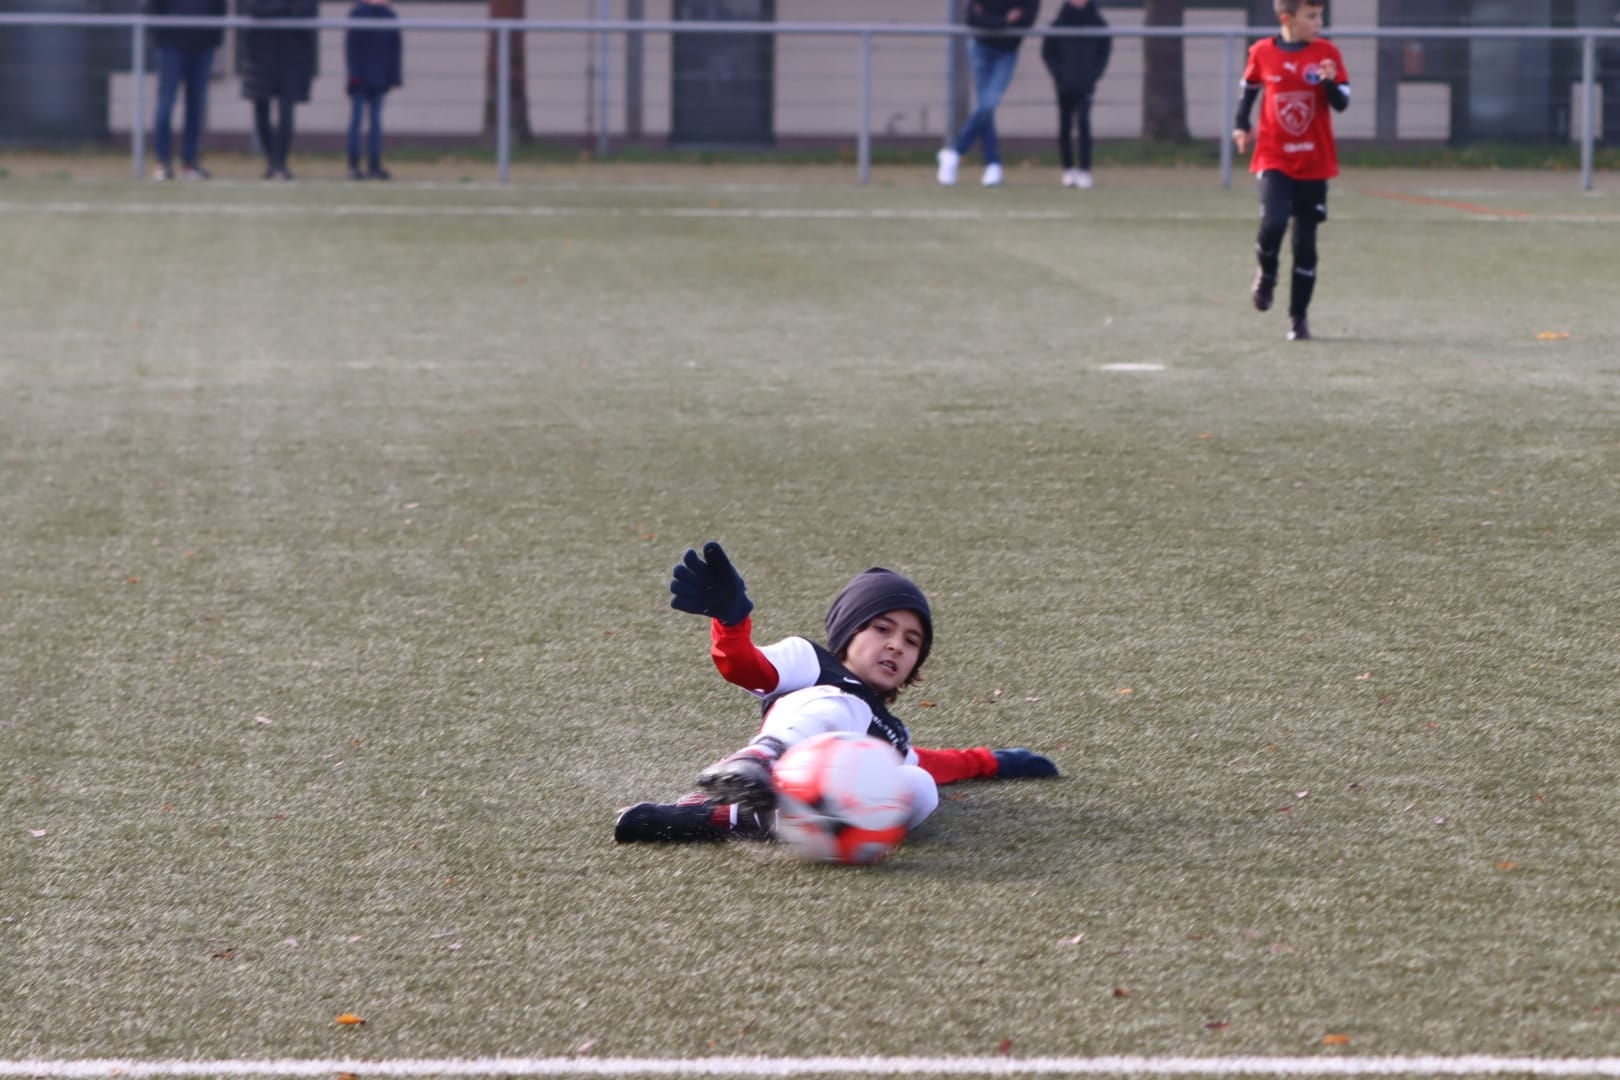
(1450, 204)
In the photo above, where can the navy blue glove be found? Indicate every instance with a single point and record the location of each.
(1019, 764)
(710, 585)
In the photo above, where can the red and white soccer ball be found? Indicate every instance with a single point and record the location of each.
(841, 798)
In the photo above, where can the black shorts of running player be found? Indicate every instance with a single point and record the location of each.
(1283, 197)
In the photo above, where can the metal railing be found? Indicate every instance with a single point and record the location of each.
(862, 36)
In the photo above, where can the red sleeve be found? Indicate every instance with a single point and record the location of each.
(737, 657)
(949, 766)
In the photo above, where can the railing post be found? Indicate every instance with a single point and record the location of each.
(1588, 72)
(1228, 105)
(863, 140)
(603, 98)
(503, 101)
(137, 126)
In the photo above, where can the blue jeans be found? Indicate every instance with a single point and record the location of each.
(361, 103)
(177, 67)
(992, 74)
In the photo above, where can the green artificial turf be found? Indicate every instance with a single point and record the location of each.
(334, 625)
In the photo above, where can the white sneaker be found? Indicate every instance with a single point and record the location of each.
(949, 162)
(1082, 179)
(1071, 178)
(992, 175)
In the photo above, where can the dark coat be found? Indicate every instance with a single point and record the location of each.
(373, 55)
(993, 15)
(279, 63)
(1076, 63)
(188, 38)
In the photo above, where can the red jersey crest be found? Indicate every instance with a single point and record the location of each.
(1295, 132)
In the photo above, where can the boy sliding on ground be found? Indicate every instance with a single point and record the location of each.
(1298, 74)
(879, 632)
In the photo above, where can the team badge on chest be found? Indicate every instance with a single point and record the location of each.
(1295, 111)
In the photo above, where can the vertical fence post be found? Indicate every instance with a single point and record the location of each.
(1228, 105)
(863, 139)
(954, 75)
(1588, 71)
(503, 100)
(137, 122)
(603, 47)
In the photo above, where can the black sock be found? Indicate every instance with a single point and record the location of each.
(1268, 262)
(1299, 296)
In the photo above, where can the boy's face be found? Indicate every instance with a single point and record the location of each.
(884, 652)
(1304, 25)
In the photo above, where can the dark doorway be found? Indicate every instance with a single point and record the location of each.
(724, 88)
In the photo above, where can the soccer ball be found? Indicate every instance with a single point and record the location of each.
(841, 798)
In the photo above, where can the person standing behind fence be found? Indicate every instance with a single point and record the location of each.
(185, 58)
(994, 57)
(374, 69)
(1076, 63)
(278, 66)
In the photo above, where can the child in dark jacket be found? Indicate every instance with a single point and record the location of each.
(1076, 63)
(374, 68)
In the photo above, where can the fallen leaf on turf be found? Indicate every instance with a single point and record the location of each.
(351, 1020)
(1507, 864)
(1004, 1047)
(1121, 992)
(1335, 1040)
(348, 1076)
(1122, 691)
(1218, 1025)
(925, 704)
(1552, 335)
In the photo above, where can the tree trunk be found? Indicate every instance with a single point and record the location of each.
(517, 89)
(1164, 84)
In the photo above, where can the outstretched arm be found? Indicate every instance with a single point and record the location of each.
(739, 661)
(982, 763)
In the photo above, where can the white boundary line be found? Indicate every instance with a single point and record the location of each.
(1466, 1065)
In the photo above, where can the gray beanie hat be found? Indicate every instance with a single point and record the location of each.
(869, 595)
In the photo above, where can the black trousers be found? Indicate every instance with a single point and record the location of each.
(1074, 109)
(1304, 202)
(274, 139)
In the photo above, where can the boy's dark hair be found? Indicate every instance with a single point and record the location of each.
(1291, 7)
(870, 594)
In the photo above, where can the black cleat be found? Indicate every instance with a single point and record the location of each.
(1262, 291)
(743, 778)
(666, 823)
(1298, 328)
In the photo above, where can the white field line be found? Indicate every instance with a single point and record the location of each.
(381, 210)
(741, 213)
(1467, 1065)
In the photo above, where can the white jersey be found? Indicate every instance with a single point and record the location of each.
(811, 707)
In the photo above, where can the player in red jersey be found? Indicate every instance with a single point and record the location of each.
(1296, 76)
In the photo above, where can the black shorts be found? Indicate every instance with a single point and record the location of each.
(1283, 196)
